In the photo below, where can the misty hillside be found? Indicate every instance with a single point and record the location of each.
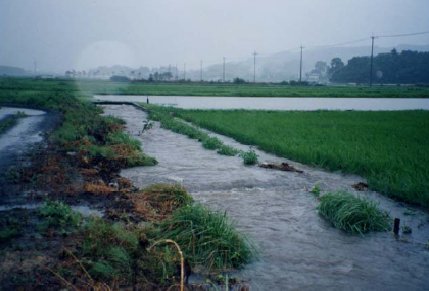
(285, 65)
(12, 71)
(277, 67)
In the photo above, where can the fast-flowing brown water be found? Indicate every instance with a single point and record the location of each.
(298, 249)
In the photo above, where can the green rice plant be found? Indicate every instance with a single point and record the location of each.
(250, 157)
(227, 150)
(207, 238)
(353, 214)
(212, 143)
(58, 215)
(387, 148)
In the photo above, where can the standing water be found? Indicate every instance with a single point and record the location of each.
(297, 248)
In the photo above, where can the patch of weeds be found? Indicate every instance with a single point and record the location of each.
(316, 190)
(352, 214)
(227, 150)
(250, 157)
(59, 215)
(160, 200)
(212, 143)
(108, 249)
(207, 238)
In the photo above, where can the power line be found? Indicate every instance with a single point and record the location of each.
(405, 34)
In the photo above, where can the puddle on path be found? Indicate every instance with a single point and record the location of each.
(298, 249)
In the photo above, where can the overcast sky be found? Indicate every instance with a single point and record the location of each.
(81, 34)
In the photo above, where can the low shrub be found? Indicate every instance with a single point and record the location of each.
(353, 214)
(60, 216)
(227, 150)
(212, 143)
(250, 157)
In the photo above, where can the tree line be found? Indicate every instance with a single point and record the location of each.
(406, 67)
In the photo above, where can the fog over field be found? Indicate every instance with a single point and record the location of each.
(54, 36)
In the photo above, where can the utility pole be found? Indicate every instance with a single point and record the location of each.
(184, 72)
(177, 73)
(372, 59)
(223, 78)
(300, 65)
(201, 70)
(254, 66)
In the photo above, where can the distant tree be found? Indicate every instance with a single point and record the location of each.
(119, 79)
(321, 67)
(336, 65)
(238, 80)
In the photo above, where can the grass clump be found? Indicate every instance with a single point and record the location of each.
(227, 150)
(212, 143)
(60, 216)
(250, 157)
(352, 214)
(108, 249)
(207, 238)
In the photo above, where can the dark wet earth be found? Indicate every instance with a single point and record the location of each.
(297, 248)
(17, 143)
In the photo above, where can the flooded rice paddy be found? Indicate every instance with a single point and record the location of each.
(269, 103)
(297, 248)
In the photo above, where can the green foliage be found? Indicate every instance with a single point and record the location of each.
(207, 238)
(166, 117)
(108, 249)
(406, 67)
(212, 143)
(120, 137)
(387, 148)
(352, 214)
(316, 190)
(60, 216)
(10, 121)
(227, 150)
(250, 157)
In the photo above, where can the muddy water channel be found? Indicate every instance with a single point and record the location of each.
(297, 248)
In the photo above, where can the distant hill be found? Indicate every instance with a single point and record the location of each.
(277, 67)
(12, 71)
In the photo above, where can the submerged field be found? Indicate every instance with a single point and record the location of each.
(388, 148)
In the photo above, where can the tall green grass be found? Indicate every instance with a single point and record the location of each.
(207, 238)
(388, 148)
(353, 214)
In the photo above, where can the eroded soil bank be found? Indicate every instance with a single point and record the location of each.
(298, 249)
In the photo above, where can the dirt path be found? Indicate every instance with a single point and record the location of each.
(298, 249)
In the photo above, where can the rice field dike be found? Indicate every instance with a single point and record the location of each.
(387, 148)
(51, 245)
(101, 87)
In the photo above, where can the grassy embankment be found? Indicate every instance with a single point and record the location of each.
(167, 120)
(388, 148)
(10, 121)
(248, 90)
(102, 252)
